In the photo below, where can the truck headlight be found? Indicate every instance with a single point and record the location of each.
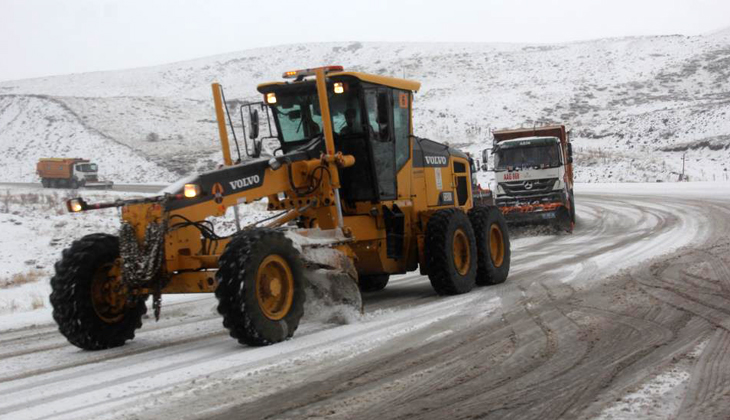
(558, 184)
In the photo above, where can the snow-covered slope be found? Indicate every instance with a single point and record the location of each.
(635, 104)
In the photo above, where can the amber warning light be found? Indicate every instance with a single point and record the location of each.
(296, 74)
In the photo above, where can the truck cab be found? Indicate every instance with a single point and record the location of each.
(534, 176)
(86, 172)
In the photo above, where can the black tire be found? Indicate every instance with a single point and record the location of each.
(53, 183)
(440, 260)
(488, 224)
(373, 283)
(563, 220)
(237, 276)
(74, 184)
(77, 316)
(44, 182)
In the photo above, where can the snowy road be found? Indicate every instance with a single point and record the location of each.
(628, 317)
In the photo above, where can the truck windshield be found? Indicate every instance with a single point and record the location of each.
(527, 156)
(86, 167)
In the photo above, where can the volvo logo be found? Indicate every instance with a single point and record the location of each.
(245, 183)
(528, 185)
(435, 160)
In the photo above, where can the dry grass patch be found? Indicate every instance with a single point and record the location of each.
(18, 279)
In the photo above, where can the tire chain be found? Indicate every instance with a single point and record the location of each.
(140, 266)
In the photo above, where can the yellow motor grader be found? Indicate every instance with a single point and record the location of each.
(351, 191)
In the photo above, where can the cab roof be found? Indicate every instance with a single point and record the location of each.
(393, 82)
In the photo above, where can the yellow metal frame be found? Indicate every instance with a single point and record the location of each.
(188, 269)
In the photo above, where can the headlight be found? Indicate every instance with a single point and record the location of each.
(75, 205)
(191, 190)
(558, 184)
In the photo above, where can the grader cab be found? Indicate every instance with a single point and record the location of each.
(352, 192)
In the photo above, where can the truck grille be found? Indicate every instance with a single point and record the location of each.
(528, 188)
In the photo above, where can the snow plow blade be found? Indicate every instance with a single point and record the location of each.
(107, 185)
(330, 274)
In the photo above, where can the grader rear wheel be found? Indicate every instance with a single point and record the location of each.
(260, 287)
(493, 247)
(92, 307)
(450, 252)
(373, 282)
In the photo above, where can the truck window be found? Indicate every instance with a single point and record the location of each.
(527, 156)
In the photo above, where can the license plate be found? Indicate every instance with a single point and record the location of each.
(548, 216)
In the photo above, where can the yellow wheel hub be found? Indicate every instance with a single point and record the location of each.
(461, 253)
(274, 287)
(496, 245)
(108, 293)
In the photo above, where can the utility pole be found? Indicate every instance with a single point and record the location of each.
(682, 178)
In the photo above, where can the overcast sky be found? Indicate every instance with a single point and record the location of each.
(47, 37)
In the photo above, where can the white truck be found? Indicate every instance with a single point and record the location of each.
(533, 171)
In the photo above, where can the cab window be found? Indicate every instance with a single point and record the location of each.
(401, 127)
(378, 106)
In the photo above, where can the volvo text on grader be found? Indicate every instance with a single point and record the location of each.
(353, 191)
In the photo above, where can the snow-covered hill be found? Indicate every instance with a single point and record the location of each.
(635, 105)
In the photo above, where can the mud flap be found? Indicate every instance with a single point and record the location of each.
(563, 221)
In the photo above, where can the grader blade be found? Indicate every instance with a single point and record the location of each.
(328, 291)
(331, 276)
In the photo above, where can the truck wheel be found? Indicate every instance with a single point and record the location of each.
(44, 183)
(91, 305)
(564, 220)
(450, 252)
(373, 283)
(74, 184)
(52, 183)
(493, 246)
(260, 287)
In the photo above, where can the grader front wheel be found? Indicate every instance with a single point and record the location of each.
(260, 287)
(92, 307)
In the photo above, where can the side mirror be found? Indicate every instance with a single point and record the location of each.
(570, 150)
(254, 130)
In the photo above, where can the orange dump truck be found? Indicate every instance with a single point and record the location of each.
(69, 173)
(533, 169)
